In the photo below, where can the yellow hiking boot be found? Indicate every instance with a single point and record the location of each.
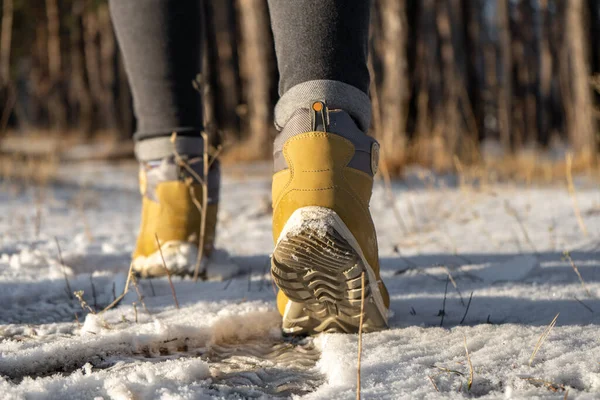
(324, 235)
(170, 199)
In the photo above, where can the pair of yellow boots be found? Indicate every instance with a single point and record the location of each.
(325, 241)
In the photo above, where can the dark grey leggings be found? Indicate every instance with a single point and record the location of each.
(321, 48)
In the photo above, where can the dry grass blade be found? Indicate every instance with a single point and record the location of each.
(433, 383)
(442, 312)
(38, 213)
(204, 211)
(139, 294)
(64, 271)
(201, 209)
(122, 295)
(135, 311)
(583, 285)
(152, 288)
(467, 310)
(82, 302)
(447, 370)
(94, 293)
(573, 194)
(542, 338)
(471, 372)
(182, 162)
(167, 271)
(553, 387)
(584, 305)
(360, 326)
(215, 155)
(453, 282)
(228, 283)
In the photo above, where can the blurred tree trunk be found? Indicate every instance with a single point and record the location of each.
(463, 75)
(459, 138)
(38, 78)
(91, 58)
(525, 67)
(394, 94)
(56, 108)
(227, 81)
(544, 78)
(594, 34)
(431, 133)
(7, 94)
(424, 65)
(556, 34)
(491, 56)
(518, 74)
(505, 77)
(210, 73)
(256, 68)
(108, 67)
(79, 95)
(6, 41)
(581, 124)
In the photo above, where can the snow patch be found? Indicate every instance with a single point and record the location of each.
(515, 269)
(93, 324)
(241, 328)
(44, 355)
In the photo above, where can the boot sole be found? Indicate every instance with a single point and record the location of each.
(318, 264)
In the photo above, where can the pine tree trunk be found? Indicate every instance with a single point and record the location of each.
(210, 73)
(505, 77)
(581, 123)
(108, 68)
(257, 72)
(79, 95)
(7, 93)
(92, 61)
(227, 82)
(6, 41)
(452, 85)
(56, 108)
(394, 84)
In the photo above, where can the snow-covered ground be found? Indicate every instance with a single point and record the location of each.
(484, 265)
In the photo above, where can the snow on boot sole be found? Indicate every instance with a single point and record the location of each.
(318, 265)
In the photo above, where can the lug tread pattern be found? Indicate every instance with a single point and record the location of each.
(322, 273)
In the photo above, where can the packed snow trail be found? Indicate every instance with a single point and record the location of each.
(482, 264)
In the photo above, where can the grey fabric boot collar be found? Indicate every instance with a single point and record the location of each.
(159, 164)
(337, 122)
(161, 147)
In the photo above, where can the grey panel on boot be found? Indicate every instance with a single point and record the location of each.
(337, 122)
(166, 169)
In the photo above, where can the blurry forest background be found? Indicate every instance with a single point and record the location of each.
(455, 81)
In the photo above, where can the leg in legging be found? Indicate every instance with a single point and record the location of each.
(322, 49)
(160, 42)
